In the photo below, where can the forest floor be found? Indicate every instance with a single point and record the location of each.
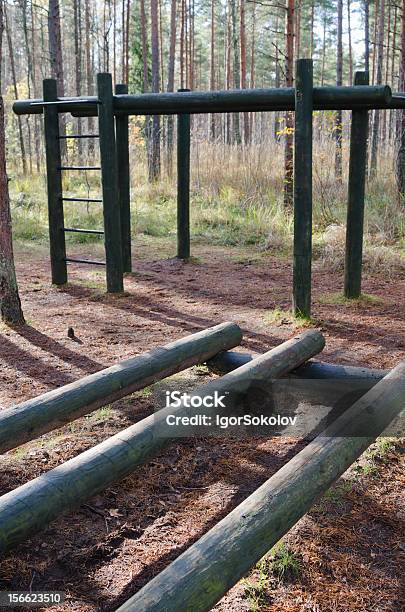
(345, 554)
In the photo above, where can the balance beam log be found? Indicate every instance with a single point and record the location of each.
(227, 361)
(29, 508)
(199, 577)
(39, 415)
(243, 100)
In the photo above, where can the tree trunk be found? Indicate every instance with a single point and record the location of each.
(379, 65)
(89, 74)
(155, 166)
(15, 89)
(323, 50)
(212, 68)
(366, 36)
(242, 35)
(170, 83)
(78, 69)
(10, 305)
(289, 119)
(236, 71)
(349, 31)
(394, 43)
(339, 82)
(55, 55)
(400, 162)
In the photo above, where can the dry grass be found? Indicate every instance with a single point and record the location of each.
(237, 199)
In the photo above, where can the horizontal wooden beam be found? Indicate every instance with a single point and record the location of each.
(240, 100)
(199, 577)
(51, 410)
(30, 507)
(230, 360)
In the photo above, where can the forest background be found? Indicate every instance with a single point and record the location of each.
(240, 188)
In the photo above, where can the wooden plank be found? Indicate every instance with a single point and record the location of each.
(57, 243)
(199, 577)
(302, 258)
(109, 179)
(183, 184)
(356, 190)
(34, 505)
(54, 409)
(122, 140)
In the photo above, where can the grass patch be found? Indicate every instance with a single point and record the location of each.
(284, 563)
(279, 317)
(146, 392)
(334, 497)
(102, 414)
(336, 299)
(255, 592)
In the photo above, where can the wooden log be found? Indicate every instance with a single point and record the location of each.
(183, 185)
(230, 360)
(122, 142)
(109, 181)
(240, 100)
(302, 257)
(355, 202)
(54, 409)
(199, 577)
(57, 244)
(29, 508)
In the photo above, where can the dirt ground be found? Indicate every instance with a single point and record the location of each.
(348, 547)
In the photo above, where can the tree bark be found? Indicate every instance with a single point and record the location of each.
(154, 12)
(366, 36)
(15, 89)
(349, 31)
(55, 55)
(379, 66)
(339, 82)
(236, 71)
(400, 161)
(242, 35)
(10, 305)
(170, 83)
(289, 119)
(78, 69)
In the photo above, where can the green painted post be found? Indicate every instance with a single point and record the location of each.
(356, 190)
(122, 141)
(303, 188)
(109, 179)
(54, 182)
(183, 185)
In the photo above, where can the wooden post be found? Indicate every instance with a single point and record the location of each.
(122, 141)
(54, 182)
(30, 507)
(355, 203)
(109, 179)
(51, 410)
(183, 185)
(303, 189)
(200, 576)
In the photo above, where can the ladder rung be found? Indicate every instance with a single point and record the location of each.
(79, 168)
(81, 200)
(85, 261)
(66, 136)
(82, 231)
